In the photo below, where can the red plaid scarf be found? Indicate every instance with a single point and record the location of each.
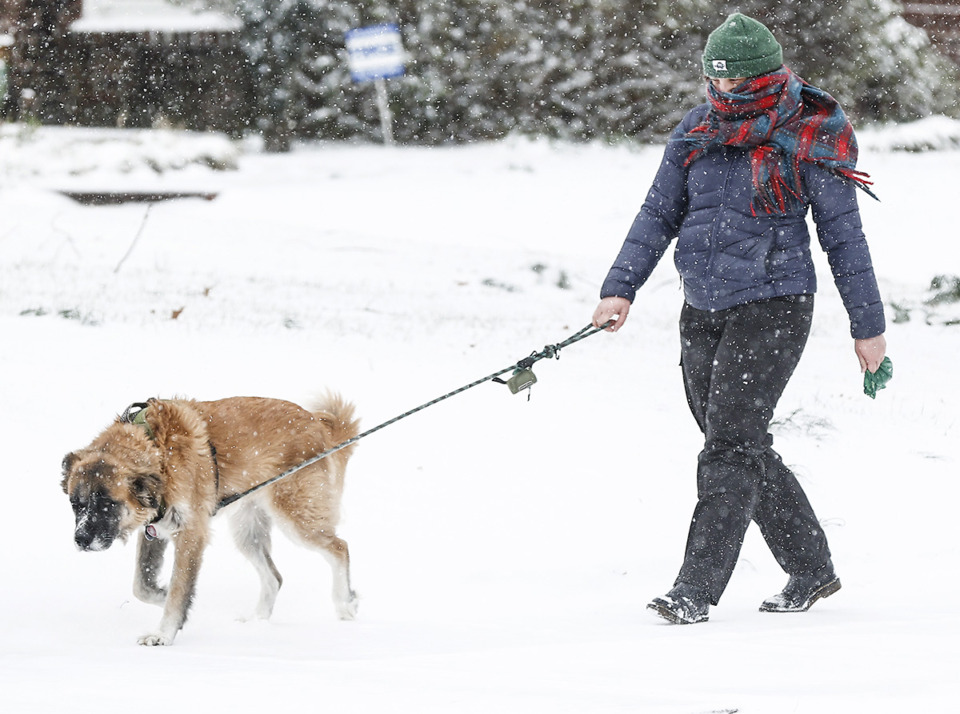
(784, 121)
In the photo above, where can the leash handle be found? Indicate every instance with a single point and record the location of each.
(554, 350)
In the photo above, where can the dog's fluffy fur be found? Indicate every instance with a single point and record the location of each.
(171, 470)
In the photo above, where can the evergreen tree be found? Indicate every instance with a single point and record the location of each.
(612, 68)
(648, 64)
(298, 61)
(325, 101)
(465, 70)
(460, 84)
(574, 69)
(862, 51)
(268, 46)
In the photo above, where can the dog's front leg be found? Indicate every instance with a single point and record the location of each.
(188, 548)
(149, 562)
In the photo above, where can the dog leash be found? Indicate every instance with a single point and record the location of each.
(522, 378)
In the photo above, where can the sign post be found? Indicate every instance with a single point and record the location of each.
(375, 54)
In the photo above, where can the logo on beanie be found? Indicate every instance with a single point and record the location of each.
(720, 65)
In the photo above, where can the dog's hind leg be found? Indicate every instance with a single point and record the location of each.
(251, 532)
(338, 555)
(309, 515)
(335, 550)
(149, 563)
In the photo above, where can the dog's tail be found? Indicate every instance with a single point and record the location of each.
(338, 415)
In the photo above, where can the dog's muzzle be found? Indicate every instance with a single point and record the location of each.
(98, 522)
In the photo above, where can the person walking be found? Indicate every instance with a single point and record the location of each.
(737, 178)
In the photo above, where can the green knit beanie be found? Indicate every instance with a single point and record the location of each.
(741, 47)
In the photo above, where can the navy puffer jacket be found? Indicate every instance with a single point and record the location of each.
(726, 256)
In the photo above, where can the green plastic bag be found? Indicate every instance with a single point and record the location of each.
(875, 381)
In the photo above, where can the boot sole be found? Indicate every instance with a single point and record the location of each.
(663, 610)
(825, 590)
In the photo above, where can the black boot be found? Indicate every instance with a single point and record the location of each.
(802, 591)
(683, 605)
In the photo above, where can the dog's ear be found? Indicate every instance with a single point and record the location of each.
(68, 461)
(146, 489)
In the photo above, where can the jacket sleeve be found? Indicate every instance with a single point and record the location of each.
(659, 219)
(833, 202)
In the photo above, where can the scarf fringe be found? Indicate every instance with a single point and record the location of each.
(859, 179)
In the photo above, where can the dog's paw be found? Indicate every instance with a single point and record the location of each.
(347, 610)
(151, 596)
(155, 639)
(254, 617)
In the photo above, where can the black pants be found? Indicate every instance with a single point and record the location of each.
(736, 364)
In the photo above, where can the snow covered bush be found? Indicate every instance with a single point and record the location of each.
(576, 69)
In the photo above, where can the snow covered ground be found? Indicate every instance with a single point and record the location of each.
(504, 549)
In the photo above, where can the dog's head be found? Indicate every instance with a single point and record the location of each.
(111, 495)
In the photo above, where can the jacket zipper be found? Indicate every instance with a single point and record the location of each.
(711, 277)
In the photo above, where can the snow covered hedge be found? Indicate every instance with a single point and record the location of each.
(575, 69)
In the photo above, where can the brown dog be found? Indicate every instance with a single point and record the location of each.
(164, 467)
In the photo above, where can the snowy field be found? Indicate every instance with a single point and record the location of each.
(504, 549)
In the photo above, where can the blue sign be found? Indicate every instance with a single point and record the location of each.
(375, 52)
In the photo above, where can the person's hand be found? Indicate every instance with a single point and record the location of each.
(870, 352)
(611, 308)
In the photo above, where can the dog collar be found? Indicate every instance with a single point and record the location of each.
(136, 414)
(141, 420)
